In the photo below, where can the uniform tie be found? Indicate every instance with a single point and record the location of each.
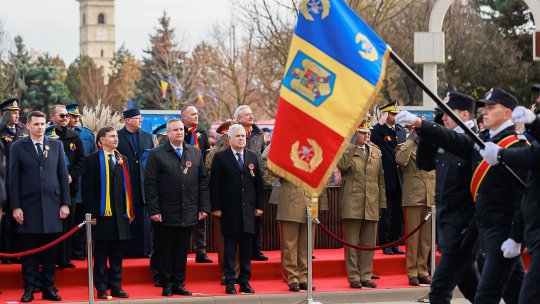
(240, 160)
(39, 150)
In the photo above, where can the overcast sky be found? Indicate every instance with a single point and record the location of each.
(53, 25)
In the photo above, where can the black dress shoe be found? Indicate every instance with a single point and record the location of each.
(50, 294)
(388, 251)
(303, 286)
(102, 294)
(375, 277)
(368, 284)
(119, 293)
(396, 250)
(258, 256)
(167, 291)
(229, 288)
(245, 288)
(203, 258)
(28, 296)
(181, 290)
(68, 265)
(294, 286)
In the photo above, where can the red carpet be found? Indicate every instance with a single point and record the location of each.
(204, 279)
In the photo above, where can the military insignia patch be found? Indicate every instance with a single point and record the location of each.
(308, 157)
(315, 7)
(309, 79)
(367, 50)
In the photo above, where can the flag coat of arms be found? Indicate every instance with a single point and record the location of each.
(334, 71)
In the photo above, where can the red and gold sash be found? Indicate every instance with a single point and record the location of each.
(483, 167)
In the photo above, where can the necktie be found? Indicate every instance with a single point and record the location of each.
(179, 152)
(363, 150)
(13, 130)
(39, 150)
(240, 160)
(112, 162)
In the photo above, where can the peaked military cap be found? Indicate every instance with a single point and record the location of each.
(50, 131)
(536, 87)
(460, 101)
(500, 96)
(390, 107)
(73, 109)
(160, 130)
(10, 104)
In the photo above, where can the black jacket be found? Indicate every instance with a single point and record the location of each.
(115, 227)
(176, 188)
(387, 139)
(204, 145)
(236, 192)
(499, 195)
(136, 170)
(453, 199)
(8, 138)
(74, 150)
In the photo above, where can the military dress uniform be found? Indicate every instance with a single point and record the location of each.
(418, 197)
(497, 198)
(387, 138)
(362, 197)
(291, 214)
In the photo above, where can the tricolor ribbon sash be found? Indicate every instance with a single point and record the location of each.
(105, 199)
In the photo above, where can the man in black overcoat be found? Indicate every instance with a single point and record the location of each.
(132, 141)
(236, 191)
(110, 224)
(176, 189)
(39, 192)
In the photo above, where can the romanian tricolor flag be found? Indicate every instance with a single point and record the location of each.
(334, 71)
(164, 84)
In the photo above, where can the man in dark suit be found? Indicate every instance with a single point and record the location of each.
(176, 190)
(11, 130)
(197, 137)
(387, 135)
(74, 151)
(132, 141)
(111, 209)
(3, 196)
(39, 191)
(236, 189)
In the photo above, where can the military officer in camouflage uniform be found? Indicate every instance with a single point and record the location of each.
(362, 197)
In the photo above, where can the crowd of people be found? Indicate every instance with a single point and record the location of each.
(145, 190)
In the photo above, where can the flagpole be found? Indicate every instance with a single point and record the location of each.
(309, 219)
(445, 107)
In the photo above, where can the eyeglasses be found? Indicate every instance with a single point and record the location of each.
(62, 115)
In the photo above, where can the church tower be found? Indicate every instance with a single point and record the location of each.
(96, 31)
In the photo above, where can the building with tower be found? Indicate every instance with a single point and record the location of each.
(96, 31)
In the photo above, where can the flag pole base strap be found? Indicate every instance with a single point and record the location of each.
(44, 247)
(394, 243)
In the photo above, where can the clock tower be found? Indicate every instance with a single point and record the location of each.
(96, 32)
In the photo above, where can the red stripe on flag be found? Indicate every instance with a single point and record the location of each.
(292, 126)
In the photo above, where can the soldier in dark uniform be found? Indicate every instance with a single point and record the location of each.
(89, 144)
(455, 208)
(387, 135)
(527, 157)
(11, 130)
(132, 141)
(496, 193)
(255, 142)
(197, 137)
(74, 151)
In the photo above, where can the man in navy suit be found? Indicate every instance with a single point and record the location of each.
(236, 194)
(132, 141)
(39, 192)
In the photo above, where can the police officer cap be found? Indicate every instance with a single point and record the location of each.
(224, 127)
(536, 87)
(131, 113)
(390, 107)
(160, 130)
(460, 101)
(500, 96)
(50, 131)
(10, 104)
(73, 109)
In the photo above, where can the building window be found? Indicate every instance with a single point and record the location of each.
(101, 19)
(102, 53)
(84, 19)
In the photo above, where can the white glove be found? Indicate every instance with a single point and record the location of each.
(510, 249)
(490, 152)
(406, 118)
(523, 115)
(383, 118)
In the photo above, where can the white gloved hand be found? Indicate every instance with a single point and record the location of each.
(490, 153)
(383, 118)
(406, 118)
(523, 115)
(510, 249)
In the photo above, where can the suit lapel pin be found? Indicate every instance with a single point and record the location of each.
(251, 167)
(188, 165)
(47, 148)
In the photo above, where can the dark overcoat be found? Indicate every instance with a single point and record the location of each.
(236, 192)
(387, 139)
(39, 185)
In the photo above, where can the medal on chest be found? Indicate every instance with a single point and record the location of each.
(188, 165)
(251, 168)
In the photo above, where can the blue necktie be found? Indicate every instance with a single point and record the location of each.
(240, 160)
(179, 152)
